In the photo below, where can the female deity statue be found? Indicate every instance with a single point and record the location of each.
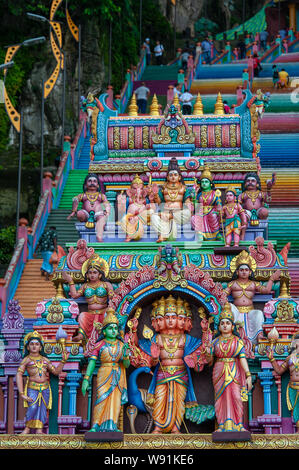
(231, 376)
(111, 386)
(37, 394)
(291, 363)
(176, 205)
(234, 217)
(138, 208)
(243, 287)
(205, 221)
(95, 206)
(96, 290)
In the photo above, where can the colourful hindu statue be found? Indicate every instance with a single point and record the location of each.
(138, 209)
(111, 386)
(95, 206)
(205, 221)
(243, 287)
(175, 205)
(170, 351)
(96, 290)
(37, 393)
(254, 200)
(291, 364)
(234, 217)
(231, 376)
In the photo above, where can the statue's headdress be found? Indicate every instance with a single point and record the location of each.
(206, 173)
(231, 189)
(95, 262)
(110, 317)
(154, 309)
(242, 258)
(227, 313)
(160, 310)
(33, 335)
(137, 180)
(170, 305)
(181, 310)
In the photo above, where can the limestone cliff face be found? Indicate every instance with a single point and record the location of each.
(187, 13)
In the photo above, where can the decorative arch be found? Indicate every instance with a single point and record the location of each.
(138, 286)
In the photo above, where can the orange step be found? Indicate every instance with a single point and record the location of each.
(33, 288)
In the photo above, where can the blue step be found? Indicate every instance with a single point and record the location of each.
(279, 150)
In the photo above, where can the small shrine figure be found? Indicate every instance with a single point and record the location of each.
(37, 393)
(261, 102)
(111, 387)
(205, 221)
(175, 203)
(138, 206)
(170, 350)
(95, 206)
(291, 363)
(243, 287)
(96, 289)
(234, 217)
(254, 200)
(231, 376)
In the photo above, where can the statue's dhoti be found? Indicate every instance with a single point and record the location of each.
(252, 319)
(169, 401)
(168, 229)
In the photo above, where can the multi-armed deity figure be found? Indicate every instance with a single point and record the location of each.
(95, 206)
(175, 203)
(243, 287)
(205, 221)
(111, 387)
(96, 289)
(37, 394)
(254, 200)
(234, 217)
(170, 349)
(138, 206)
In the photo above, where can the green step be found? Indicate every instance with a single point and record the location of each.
(73, 186)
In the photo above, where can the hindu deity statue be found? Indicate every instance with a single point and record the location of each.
(262, 102)
(231, 376)
(170, 350)
(175, 204)
(96, 290)
(111, 387)
(138, 208)
(205, 221)
(291, 364)
(254, 200)
(243, 287)
(234, 217)
(95, 206)
(36, 394)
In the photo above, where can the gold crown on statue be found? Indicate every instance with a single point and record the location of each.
(170, 305)
(154, 309)
(231, 189)
(137, 180)
(180, 307)
(33, 335)
(206, 174)
(242, 258)
(227, 313)
(160, 310)
(110, 317)
(187, 309)
(95, 262)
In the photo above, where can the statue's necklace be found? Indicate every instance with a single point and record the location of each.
(39, 364)
(172, 193)
(253, 195)
(92, 197)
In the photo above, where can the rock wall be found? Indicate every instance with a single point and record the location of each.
(187, 13)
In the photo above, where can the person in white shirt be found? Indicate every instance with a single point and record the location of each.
(142, 93)
(186, 100)
(158, 51)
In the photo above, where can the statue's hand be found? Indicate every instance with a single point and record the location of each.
(190, 361)
(85, 385)
(66, 276)
(26, 398)
(155, 351)
(275, 276)
(71, 215)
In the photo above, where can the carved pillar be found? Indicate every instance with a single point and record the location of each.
(266, 379)
(292, 16)
(4, 386)
(278, 384)
(61, 381)
(73, 381)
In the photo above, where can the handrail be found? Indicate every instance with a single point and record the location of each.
(12, 276)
